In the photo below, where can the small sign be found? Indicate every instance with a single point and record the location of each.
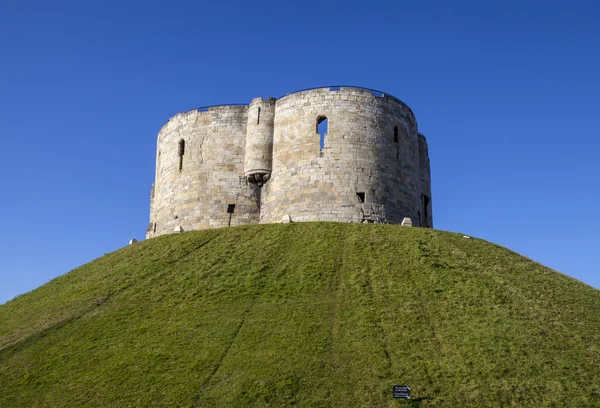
(401, 391)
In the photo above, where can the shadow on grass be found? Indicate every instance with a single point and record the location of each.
(413, 403)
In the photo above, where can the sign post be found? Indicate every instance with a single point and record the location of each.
(401, 391)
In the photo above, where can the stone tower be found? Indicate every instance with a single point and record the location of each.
(272, 159)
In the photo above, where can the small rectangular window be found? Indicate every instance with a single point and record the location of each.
(230, 208)
(361, 197)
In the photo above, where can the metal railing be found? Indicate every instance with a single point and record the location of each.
(375, 92)
(334, 88)
(206, 108)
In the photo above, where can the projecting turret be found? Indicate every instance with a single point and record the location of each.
(259, 141)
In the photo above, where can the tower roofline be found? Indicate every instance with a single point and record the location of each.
(375, 92)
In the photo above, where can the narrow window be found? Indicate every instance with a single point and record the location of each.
(154, 228)
(361, 197)
(158, 167)
(230, 210)
(258, 117)
(395, 134)
(181, 152)
(322, 129)
(425, 202)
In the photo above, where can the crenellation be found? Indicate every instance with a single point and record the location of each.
(263, 163)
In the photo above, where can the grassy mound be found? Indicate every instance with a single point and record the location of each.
(315, 314)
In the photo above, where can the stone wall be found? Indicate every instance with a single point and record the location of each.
(363, 156)
(263, 162)
(425, 212)
(211, 178)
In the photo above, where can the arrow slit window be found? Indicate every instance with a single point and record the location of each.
(181, 152)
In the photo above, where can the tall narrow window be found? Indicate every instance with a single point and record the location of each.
(258, 117)
(425, 203)
(395, 134)
(230, 210)
(181, 152)
(322, 129)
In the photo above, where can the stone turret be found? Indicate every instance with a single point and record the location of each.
(258, 159)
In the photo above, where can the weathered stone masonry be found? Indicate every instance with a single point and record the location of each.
(263, 163)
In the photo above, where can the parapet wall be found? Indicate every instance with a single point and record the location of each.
(264, 162)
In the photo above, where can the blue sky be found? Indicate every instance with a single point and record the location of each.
(505, 91)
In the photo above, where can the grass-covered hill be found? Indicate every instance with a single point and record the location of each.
(312, 315)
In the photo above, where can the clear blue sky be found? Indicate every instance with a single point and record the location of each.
(507, 93)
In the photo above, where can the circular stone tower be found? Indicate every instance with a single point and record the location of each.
(199, 173)
(364, 167)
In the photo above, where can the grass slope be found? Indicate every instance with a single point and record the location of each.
(314, 314)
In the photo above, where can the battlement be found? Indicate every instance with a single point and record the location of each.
(337, 153)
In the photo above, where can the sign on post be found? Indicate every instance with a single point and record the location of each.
(401, 391)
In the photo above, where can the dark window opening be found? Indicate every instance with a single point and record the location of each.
(230, 210)
(425, 203)
(322, 129)
(258, 118)
(395, 134)
(181, 152)
(154, 228)
(361, 197)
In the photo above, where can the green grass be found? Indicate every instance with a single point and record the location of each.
(312, 315)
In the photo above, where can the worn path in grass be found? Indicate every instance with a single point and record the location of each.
(315, 314)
